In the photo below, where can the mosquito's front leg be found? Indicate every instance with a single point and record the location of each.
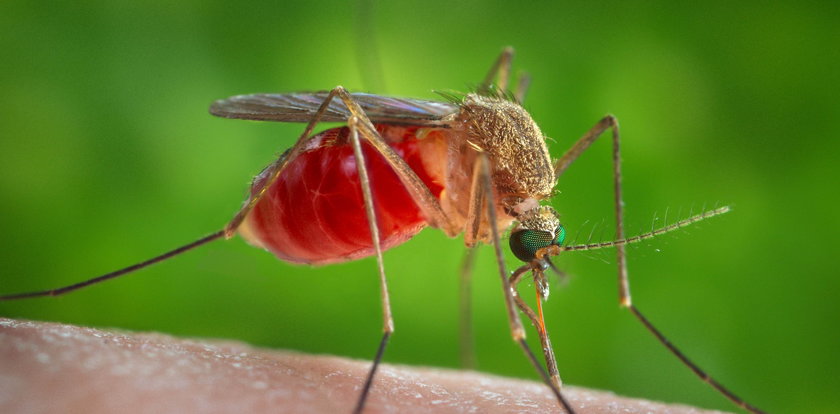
(482, 195)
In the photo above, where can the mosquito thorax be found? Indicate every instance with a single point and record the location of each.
(536, 229)
(505, 131)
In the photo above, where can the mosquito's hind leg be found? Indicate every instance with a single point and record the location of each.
(277, 168)
(117, 273)
(610, 122)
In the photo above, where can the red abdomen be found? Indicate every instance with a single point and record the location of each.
(314, 213)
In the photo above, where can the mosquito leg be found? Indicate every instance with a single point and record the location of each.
(691, 365)
(387, 318)
(499, 73)
(416, 188)
(480, 190)
(582, 144)
(472, 227)
(361, 127)
(370, 212)
(420, 193)
(117, 273)
(482, 172)
(358, 121)
(277, 167)
(609, 122)
(467, 339)
(522, 85)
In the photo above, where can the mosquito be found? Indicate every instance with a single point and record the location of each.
(475, 163)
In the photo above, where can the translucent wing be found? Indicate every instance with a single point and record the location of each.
(300, 107)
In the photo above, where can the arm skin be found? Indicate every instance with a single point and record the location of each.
(55, 368)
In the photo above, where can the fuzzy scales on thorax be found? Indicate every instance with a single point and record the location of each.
(522, 166)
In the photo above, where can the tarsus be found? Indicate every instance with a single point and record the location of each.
(116, 273)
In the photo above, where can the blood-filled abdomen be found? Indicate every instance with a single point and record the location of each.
(314, 213)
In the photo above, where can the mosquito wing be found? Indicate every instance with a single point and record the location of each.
(300, 107)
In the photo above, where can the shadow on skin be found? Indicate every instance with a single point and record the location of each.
(52, 368)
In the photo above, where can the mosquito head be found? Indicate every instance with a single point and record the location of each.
(536, 229)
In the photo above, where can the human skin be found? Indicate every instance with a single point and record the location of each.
(56, 368)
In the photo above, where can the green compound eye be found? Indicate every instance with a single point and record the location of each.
(560, 231)
(525, 243)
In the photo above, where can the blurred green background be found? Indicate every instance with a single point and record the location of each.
(108, 157)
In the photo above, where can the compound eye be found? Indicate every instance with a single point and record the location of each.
(560, 237)
(525, 243)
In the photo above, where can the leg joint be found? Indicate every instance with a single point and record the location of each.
(610, 120)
